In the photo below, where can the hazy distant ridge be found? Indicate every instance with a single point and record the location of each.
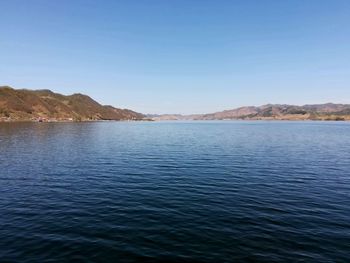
(328, 111)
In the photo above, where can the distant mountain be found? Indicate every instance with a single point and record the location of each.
(47, 105)
(328, 111)
(169, 117)
(21, 105)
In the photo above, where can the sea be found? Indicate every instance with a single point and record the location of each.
(181, 191)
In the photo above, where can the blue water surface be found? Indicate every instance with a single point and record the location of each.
(214, 191)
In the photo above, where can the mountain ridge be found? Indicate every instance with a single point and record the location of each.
(46, 105)
(326, 111)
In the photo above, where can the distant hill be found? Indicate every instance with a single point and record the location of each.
(22, 105)
(46, 105)
(328, 111)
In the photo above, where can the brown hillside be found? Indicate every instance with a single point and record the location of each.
(45, 104)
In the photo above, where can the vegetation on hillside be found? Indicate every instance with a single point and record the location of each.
(47, 105)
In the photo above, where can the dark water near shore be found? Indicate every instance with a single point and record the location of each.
(172, 191)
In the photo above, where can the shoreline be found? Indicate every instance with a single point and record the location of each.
(185, 120)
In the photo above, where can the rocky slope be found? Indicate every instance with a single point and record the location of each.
(18, 105)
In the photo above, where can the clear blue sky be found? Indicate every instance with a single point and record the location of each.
(179, 56)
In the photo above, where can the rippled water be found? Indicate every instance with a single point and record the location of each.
(175, 191)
